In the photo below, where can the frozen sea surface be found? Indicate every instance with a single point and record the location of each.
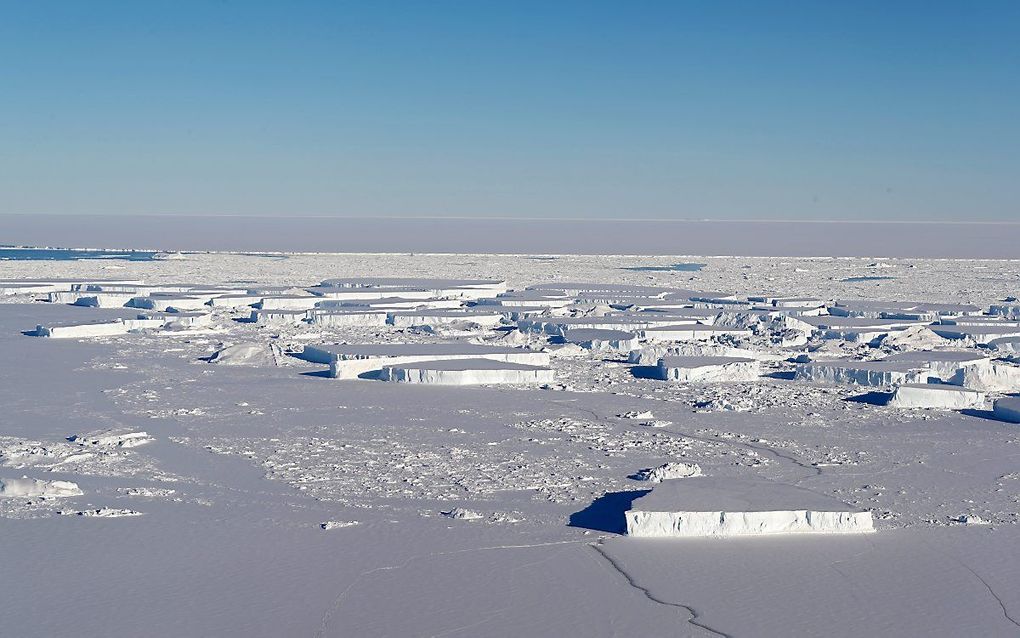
(272, 500)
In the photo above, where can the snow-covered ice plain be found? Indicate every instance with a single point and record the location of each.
(448, 445)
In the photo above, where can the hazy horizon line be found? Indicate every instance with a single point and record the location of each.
(993, 222)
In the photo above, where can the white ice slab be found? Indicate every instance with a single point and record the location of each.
(347, 318)
(349, 361)
(708, 369)
(35, 488)
(602, 339)
(466, 372)
(693, 332)
(936, 396)
(942, 364)
(994, 377)
(866, 373)
(440, 317)
(97, 328)
(718, 507)
(650, 354)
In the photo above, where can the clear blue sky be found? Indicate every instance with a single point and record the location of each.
(747, 110)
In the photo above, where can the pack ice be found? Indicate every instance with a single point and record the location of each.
(453, 427)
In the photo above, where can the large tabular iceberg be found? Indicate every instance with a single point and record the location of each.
(708, 369)
(466, 372)
(708, 506)
(936, 396)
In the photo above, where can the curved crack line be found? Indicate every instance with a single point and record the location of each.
(693, 620)
(991, 591)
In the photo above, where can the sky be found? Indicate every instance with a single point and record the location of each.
(860, 110)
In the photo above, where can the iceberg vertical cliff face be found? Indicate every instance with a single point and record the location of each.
(708, 369)
(716, 507)
(993, 378)
(936, 396)
(687, 524)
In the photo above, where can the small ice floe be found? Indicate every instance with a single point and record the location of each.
(34, 488)
(506, 517)
(117, 437)
(146, 492)
(246, 354)
(655, 423)
(969, 519)
(462, 514)
(668, 471)
(722, 404)
(634, 414)
(328, 525)
(103, 512)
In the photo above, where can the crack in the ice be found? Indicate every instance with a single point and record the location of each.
(338, 601)
(991, 591)
(694, 615)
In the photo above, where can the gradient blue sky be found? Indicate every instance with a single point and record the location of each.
(725, 110)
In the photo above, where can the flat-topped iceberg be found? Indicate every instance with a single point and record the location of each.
(716, 507)
(708, 369)
(466, 372)
(866, 373)
(97, 328)
(350, 361)
(691, 332)
(994, 377)
(936, 396)
(650, 354)
(601, 339)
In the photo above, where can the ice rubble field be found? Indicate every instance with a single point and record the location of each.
(422, 445)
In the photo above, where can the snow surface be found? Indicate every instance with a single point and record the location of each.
(216, 526)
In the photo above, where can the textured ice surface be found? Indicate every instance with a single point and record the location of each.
(114, 437)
